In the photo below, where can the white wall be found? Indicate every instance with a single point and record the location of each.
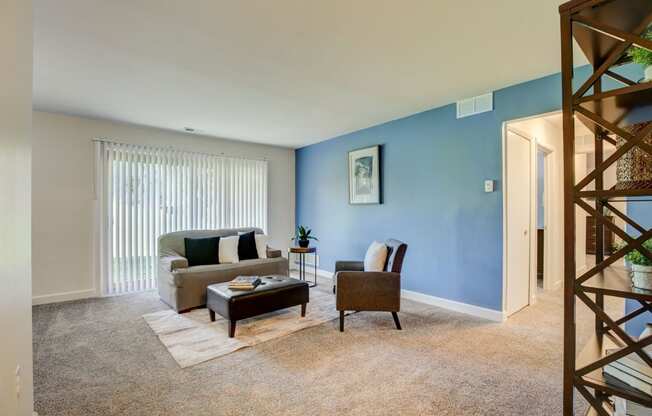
(580, 215)
(15, 147)
(63, 195)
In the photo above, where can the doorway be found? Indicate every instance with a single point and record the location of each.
(545, 187)
(533, 209)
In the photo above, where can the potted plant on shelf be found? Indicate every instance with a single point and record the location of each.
(641, 267)
(303, 237)
(643, 56)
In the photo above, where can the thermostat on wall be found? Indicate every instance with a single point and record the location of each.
(489, 185)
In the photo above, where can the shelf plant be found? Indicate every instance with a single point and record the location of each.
(302, 236)
(643, 56)
(641, 267)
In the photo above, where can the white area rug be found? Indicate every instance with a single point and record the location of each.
(191, 338)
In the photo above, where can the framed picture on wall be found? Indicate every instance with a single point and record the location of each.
(364, 176)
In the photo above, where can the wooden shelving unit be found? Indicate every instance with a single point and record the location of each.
(604, 31)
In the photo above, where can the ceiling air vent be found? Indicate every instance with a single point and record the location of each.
(475, 105)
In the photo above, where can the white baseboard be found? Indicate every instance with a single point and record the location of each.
(325, 274)
(480, 312)
(310, 270)
(490, 314)
(63, 297)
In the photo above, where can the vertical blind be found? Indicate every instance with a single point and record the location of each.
(145, 191)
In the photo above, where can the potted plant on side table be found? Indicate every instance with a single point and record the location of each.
(303, 237)
(641, 267)
(643, 56)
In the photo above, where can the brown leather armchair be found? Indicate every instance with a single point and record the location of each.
(357, 290)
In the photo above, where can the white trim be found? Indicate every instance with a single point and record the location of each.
(64, 296)
(325, 274)
(294, 266)
(548, 247)
(478, 311)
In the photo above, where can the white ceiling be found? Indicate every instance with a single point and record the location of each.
(283, 72)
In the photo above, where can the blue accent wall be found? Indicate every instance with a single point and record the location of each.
(433, 167)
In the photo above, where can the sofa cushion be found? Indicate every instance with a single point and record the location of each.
(200, 251)
(229, 249)
(247, 246)
(261, 245)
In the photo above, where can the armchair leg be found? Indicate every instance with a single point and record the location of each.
(341, 321)
(396, 321)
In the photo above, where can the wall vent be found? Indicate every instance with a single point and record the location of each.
(475, 105)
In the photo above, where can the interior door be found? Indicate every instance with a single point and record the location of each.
(519, 171)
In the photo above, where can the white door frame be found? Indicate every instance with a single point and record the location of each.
(533, 210)
(548, 264)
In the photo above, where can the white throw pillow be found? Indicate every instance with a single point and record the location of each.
(261, 245)
(228, 249)
(374, 260)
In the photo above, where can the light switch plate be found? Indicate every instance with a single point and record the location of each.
(488, 185)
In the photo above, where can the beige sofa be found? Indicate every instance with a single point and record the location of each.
(184, 288)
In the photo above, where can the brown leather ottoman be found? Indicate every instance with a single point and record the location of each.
(274, 293)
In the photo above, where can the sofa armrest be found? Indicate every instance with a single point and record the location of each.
(368, 291)
(273, 253)
(171, 263)
(349, 266)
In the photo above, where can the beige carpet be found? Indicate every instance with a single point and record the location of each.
(99, 357)
(191, 338)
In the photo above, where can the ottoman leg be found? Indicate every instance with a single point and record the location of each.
(231, 328)
(303, 310)
(212, 313)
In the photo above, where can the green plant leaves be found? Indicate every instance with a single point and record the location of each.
(635, 257)
(303, 233)
(640, 55)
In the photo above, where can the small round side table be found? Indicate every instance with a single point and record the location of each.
(302, 252)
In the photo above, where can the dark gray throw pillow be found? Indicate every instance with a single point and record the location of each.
(247, 246)
(201, 251)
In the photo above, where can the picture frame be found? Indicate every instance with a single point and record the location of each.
(365, 176)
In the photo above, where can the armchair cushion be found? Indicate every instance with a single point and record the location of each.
(376, 257)
(395, 255)
(368, 291)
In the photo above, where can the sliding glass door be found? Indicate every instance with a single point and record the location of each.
(145, 191)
